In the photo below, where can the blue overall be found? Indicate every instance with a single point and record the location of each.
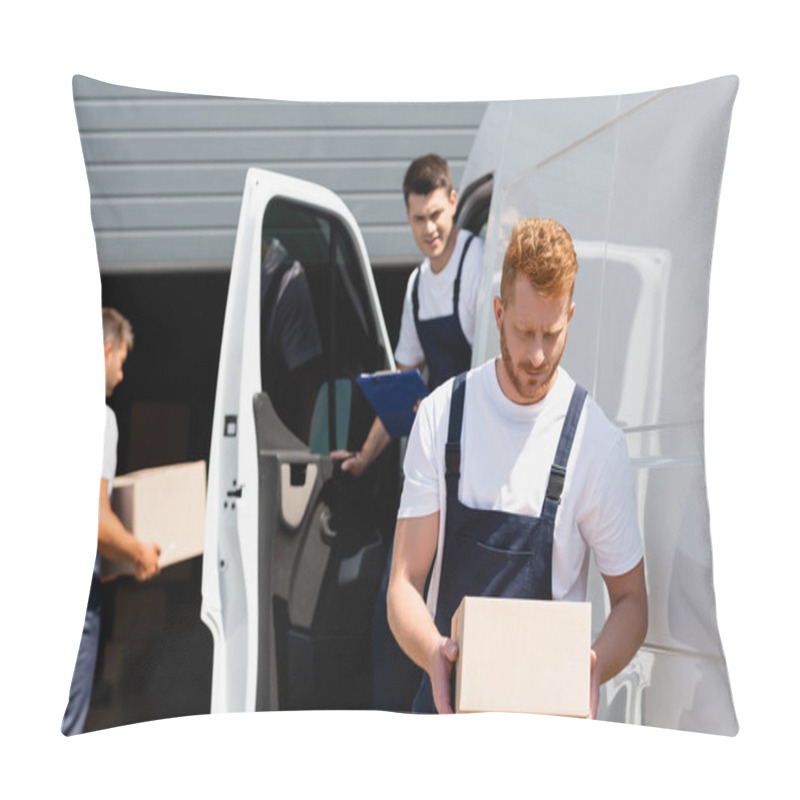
(490, 553)
(447, 353)
(80, 690)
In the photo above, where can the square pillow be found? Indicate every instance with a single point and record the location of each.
(636, 181)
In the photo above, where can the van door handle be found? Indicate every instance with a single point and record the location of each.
(236, 492)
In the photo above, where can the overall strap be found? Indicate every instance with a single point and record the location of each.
(558, 471)
(457, 282)
(452, 449)
(415, 297)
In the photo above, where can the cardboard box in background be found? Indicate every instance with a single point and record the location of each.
(165, 505)
(528, 656)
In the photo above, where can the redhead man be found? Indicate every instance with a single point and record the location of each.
(513, 474)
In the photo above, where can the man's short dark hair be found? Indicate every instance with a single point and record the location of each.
(426, 174)
(116, 328)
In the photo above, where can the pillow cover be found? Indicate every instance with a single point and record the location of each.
(634, 178)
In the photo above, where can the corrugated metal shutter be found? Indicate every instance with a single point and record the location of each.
(166, 171)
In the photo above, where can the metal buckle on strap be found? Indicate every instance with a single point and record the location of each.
(556, 483)
(452, 459)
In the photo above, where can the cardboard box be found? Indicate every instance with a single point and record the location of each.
(528, 656)
(165, 505)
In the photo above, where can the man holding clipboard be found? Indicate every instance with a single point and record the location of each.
(436, 331)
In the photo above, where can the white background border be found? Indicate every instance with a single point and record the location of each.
(51, 411)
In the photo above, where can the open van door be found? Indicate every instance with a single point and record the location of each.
(293, 553)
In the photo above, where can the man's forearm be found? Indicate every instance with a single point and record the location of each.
(114, 541)
(626, 626)
(411, 623)
(375, 443)
(409, 618)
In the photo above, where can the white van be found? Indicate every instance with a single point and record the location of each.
(294, 549)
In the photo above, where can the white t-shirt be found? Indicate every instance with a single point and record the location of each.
(110, 439)
(110, 448)
(436, 298)
(506, 454)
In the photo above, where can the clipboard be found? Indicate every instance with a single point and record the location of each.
(393, 396)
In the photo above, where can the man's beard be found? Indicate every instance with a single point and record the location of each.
(530, 392)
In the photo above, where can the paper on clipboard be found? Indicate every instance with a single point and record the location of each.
(393, 396)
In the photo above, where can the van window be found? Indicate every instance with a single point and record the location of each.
(317, 328)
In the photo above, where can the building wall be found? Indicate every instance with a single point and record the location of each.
(166, 171)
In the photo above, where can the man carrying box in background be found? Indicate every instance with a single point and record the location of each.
(512, 474)
(113, 540)
(436, 330)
